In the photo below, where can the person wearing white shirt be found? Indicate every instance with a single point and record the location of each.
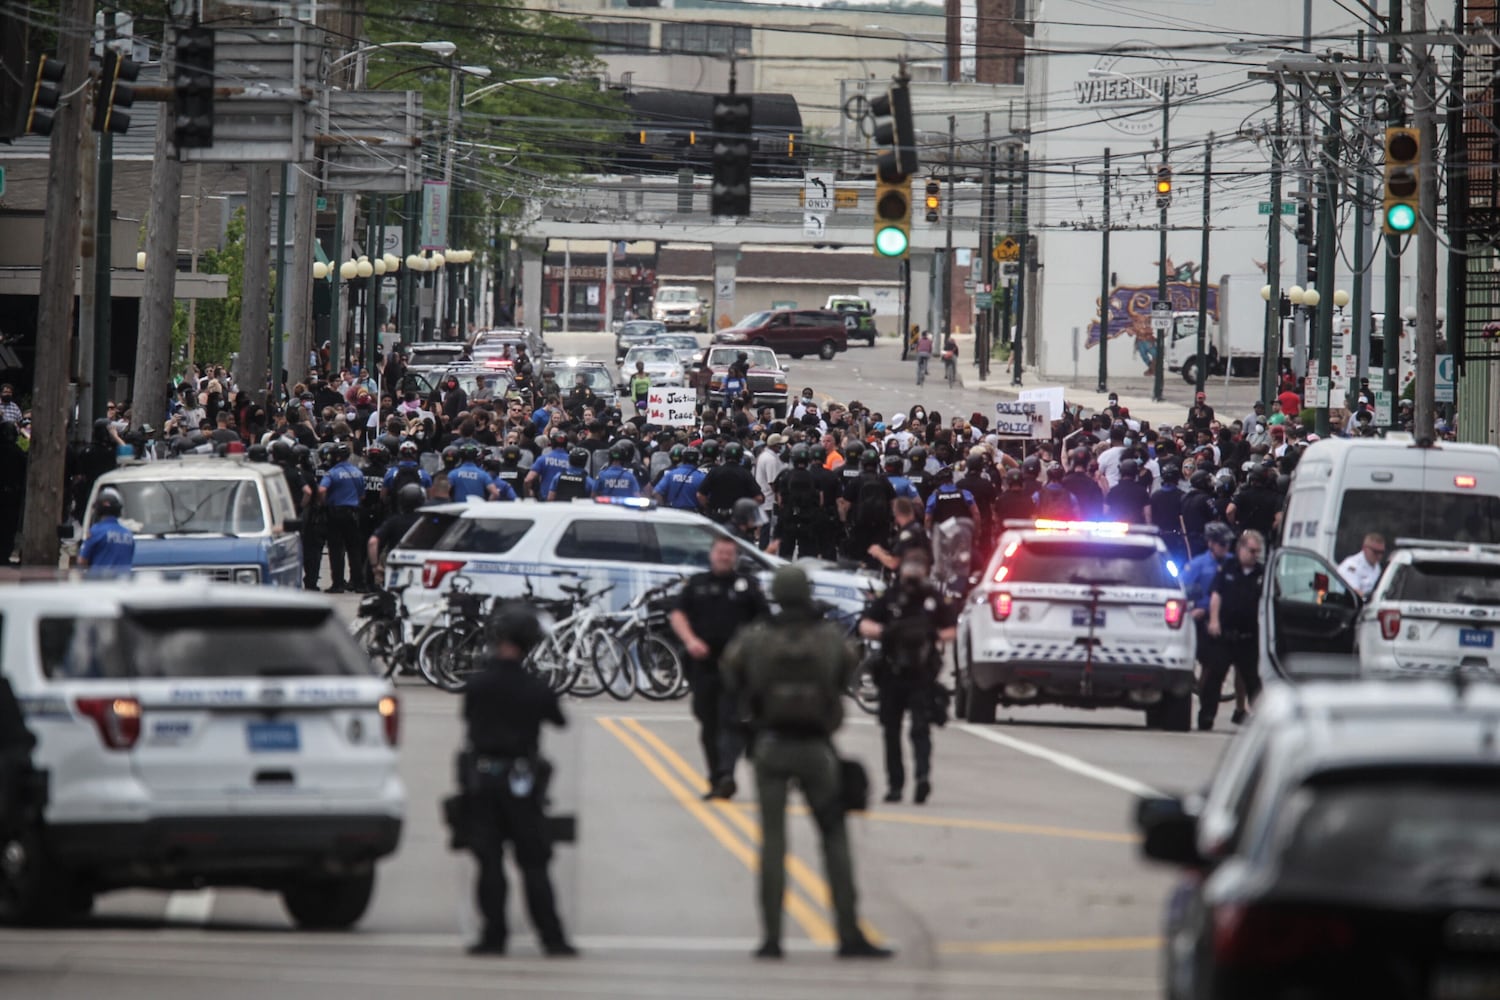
(1109, 462)
(1362, 569)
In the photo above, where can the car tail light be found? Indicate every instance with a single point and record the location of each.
(435, 571)
(1000, 604)
(390, 716)
(118, 719)
(1465, 482)
(1390, 623)
(1173, 612)
(1272, 936)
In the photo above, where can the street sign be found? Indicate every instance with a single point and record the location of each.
(1287, 208)
(1161, 316)
(1321, 390)
(1010, 270)
(1443, 388)
(984, 300)
(2, 182)
(1383, 407)
(969, 287)
(818, 193)
(1007, 250)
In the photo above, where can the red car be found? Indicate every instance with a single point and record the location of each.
(790, 331)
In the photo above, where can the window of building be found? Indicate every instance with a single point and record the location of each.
(620, 36)
(717, 39)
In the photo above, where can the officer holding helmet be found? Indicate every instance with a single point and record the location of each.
(504, 780)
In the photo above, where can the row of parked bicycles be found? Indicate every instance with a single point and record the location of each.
(589, 650)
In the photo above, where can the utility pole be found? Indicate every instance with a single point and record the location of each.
(1424, 117)
(1270, 359)
(1208, 177)
(1390, 327)
(44, 481)
(103, 298)
(154, 345)
(255, 301)
(1360, 293)
(87, 248)
(1328, 214)
(1104, 286)
(1010, 224)
(278, 328)
(948, 246)
(299, 308)
(1024, 263)
(1159, 363)
(984, 319)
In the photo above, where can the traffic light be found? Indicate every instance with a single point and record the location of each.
(1163, 186)
(730, 194)
(1403, 150)
(46, 81)
(113, 94)
(193, 89)
(934, 199)
(1304, 224)
(892, 217)
(894, 134)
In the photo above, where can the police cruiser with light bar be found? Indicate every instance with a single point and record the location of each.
(1078, 613)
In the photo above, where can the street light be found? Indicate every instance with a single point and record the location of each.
(442, 50)
(1165, 96)
(539, 81)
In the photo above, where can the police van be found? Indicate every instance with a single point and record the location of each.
(1345, 488)
(502, 548)
(217, 518)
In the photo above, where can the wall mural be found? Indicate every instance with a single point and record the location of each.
(1130, 308)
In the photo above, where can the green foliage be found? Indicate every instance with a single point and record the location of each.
(219, 319)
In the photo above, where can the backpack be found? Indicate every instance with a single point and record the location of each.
(406, 474)
(789, 697)
(874, 501)
(801, 491)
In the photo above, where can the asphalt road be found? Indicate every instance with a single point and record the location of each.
(1021, 877)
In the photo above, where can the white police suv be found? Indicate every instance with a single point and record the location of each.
(1078, 613)
(196, 735)
(502, 547)
(1435, 609)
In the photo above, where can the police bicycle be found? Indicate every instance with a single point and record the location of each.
(384, 624)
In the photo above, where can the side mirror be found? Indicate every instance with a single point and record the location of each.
(1169, 831)
(292, 524)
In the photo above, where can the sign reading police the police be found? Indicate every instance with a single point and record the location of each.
(672, 407)
(1021, 419)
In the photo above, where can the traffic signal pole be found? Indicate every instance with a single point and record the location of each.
(1208, 176)
(1270, 361)
(1390, 327)
(1159, 364)
(1022, 268)
(1104, 286)
(1424, 117)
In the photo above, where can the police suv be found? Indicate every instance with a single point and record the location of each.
(198, 735)
(1077, 613)
(504, 547)
(1435, 609)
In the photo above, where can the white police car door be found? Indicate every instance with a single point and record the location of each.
(1307, 619)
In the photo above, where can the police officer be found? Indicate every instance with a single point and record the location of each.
(1054, 500)
(790, 672)
(576, 483)
(1014, 501)
(711, 608)
(504, 779)
(1128, 500)
(314, 513)
(409, 500)
(468, 480)
(678, 487)
(340, 489)
(1082, 485)
(895, 467)
(510, 472)
(726, 483)
(948, 501)
(372, 506)
(1166, 511)
(549, 465)
(1257, 505)
(406, 470)
(1199, 509)
(917, 474)
(866, 507)
(983, 491)
(1232, 608)
(910, 541)
(109, 549)
(614, 480)
(800, 508)
(910, 620)
(828, 482)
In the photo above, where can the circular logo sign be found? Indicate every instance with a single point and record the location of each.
(1128, 86)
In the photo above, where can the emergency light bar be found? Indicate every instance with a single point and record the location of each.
(1111, 529)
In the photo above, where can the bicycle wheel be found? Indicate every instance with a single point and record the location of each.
(465, 658)
(433, 652)
(658, 668)
(376, 639)
(615, 670)
(951, 372)
(549, 660)
(862, 687)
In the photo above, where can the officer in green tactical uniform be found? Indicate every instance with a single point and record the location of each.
(789, 672)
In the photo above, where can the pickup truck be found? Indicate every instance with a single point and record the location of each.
(768, 385)
(859, 316)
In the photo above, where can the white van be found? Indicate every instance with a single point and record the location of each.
(1344, 488)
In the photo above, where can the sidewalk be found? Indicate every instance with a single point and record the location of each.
(1134, 390)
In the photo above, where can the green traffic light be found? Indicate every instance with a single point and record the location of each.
(891, 242)
(1401, 218)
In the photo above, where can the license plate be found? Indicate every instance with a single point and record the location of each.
(1081, 618)
(272, 737)
(1480, 638)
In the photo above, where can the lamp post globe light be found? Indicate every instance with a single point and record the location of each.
(1340, 298)
(1295, 294)
(349, 270)
(1311, 298)
(320, 271)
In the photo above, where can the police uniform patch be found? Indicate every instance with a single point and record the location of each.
(741, 585)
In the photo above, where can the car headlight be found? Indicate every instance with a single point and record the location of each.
(247, 576)
(673, 373)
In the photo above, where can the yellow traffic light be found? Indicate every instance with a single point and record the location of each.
(1163, 186)
(934, 199)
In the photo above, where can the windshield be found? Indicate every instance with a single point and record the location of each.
(754, 320)
(677, 295)
(1440, 517)
(1446, 583)
(599, 380)
(431, 356)
(758, 357)
(1086, 562)
(678, 342)
(651, 354)
(192, 506)
(637, 328)
(1429, 830)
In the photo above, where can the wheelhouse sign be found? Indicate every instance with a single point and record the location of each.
(1134, 76)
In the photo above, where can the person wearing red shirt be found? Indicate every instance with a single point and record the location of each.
(1291, 403)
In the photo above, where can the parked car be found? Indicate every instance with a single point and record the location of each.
(209, 518)
(790, 331)
(435, 356)
(685, 344)
(680, 307)
(767, 381)
(494, 340)
(859, 316)
(662, 364)
(197, 734)
(636, 332)
(1346, 847)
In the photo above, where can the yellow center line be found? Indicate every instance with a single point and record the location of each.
(1075, 945)
(816, 926)
(805, 878)
(989, 826)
